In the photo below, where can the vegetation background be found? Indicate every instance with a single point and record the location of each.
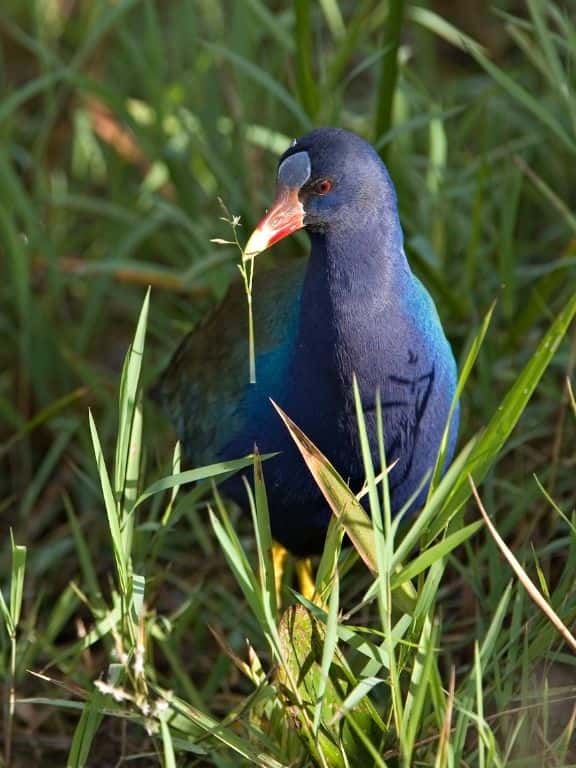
(126, 628)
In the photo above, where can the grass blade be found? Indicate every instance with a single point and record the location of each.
(491, 441)
(344, 504)
(17, 580)
(342, 501)
(328, 650)
(129, 416)
(523, 577)
(388, 70)
(304, 48)
(110, 505)
(194, 475)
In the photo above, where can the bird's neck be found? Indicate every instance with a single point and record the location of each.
(353, 276)
(356, 281)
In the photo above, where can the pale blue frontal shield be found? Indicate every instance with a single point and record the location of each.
(295, 170)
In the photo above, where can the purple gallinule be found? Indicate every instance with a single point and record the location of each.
(353, 308)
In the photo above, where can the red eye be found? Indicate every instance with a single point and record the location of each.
(322, 187)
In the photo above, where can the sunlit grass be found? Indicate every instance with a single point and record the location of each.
(348, 690)
(141, 622)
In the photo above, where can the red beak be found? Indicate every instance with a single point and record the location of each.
(285, 217)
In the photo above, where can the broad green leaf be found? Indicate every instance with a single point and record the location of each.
(137, 592)
(304, 648)
(329, 560)
(334, 18)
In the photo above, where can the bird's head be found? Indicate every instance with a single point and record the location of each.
(329, 177)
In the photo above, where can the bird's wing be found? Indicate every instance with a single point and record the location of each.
(404, 408)
(205, 388)
(417, 396)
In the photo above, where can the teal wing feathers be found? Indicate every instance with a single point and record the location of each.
(205, 387)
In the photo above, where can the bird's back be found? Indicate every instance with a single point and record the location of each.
(205, 388)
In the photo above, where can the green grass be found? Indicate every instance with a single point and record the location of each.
(140, 625)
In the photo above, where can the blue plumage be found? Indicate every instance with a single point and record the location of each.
(354, 309)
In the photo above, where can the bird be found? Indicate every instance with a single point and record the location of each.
(352, 310)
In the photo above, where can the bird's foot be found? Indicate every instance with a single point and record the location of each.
(279, 555)
(304, 574)
(306, 582)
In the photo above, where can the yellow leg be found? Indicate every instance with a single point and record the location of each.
(279, 555)
(305, 578)
(304, 575)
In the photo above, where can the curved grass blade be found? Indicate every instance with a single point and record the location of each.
(436, 552)
(534, 593)
(346, 508)
(443, 29)
(489, 444)
(344, 505)
(194, 475)
(465, 371)
(263, 536)
(304, 64)
(533, 104)
(260, 76)
(389, 69)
